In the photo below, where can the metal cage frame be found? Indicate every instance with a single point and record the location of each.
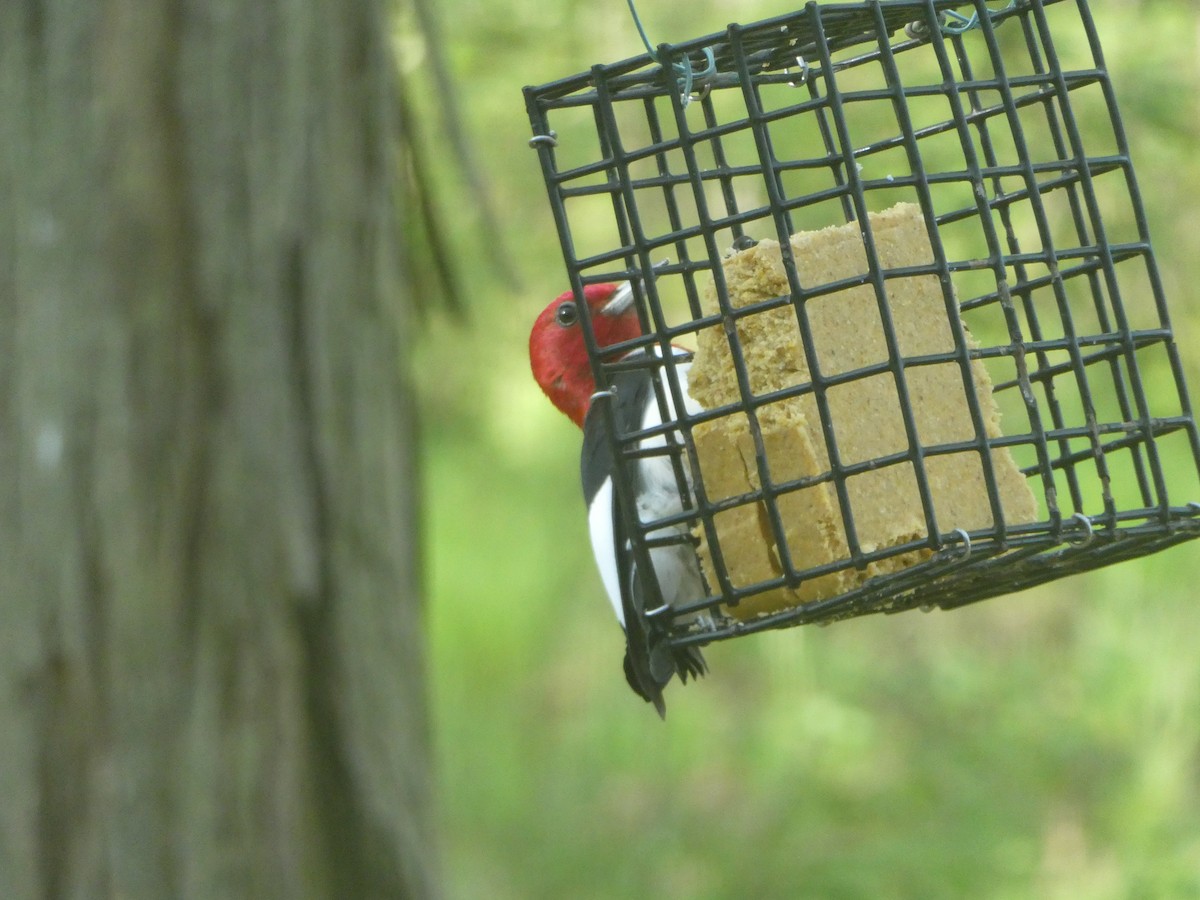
(673, 163)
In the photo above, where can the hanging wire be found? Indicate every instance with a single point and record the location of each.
(685, 73)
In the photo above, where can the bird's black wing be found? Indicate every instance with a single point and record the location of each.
(649, 662)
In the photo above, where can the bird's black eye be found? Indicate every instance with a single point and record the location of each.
(566, 315)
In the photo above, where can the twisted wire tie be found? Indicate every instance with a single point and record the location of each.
(685, 72)
(957, 23)
(954, 23)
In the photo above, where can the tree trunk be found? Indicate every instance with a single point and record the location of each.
(211, 672)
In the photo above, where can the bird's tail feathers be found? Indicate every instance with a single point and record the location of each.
(689, 661)
(651, 670)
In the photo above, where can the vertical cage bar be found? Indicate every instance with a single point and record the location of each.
(1156, 287)
(1114, 289)
(1093, 278)
(845, 148)
(997, 259)
(917, 167)
(783, 227)
(1004, 210)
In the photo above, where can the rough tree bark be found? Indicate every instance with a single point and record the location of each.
(211, 674)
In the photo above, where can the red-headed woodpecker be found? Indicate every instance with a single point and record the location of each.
(559, 359)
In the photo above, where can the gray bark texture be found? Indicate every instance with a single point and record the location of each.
(211, 670)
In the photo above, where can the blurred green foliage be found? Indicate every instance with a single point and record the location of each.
(1045, 744)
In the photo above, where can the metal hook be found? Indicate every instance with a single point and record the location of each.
(966, 543)
(804, 72)
(1089, 532)
(550, 140)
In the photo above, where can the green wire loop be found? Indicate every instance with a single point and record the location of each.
(685, 71)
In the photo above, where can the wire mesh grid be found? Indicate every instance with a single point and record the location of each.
(1036, 244)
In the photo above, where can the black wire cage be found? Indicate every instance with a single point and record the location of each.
(721, 158)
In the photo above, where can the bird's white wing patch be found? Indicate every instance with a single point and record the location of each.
(600, 524)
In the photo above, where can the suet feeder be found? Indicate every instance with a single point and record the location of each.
(906, 242)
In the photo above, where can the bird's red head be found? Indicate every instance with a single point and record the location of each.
(557, 353)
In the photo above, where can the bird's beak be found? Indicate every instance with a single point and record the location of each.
(623, 298)
(620, 302)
